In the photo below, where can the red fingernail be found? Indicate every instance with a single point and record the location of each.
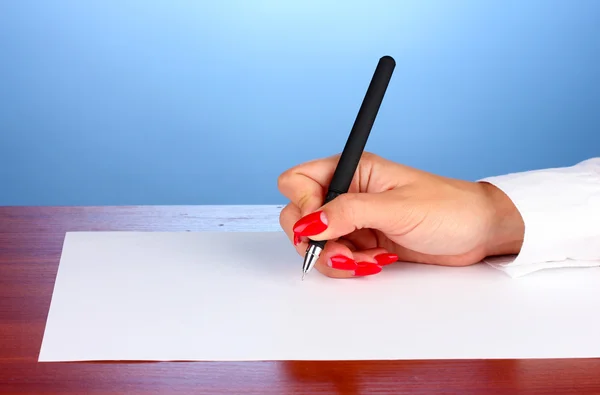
(366, 269)
(341, 262)
(386, 259)
(299, 239)
(311, 225)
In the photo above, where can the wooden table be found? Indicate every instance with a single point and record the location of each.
(30, 246)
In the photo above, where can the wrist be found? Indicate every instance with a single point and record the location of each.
(507, 228)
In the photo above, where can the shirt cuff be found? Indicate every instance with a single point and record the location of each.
(561, 211)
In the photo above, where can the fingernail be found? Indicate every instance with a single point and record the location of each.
(366, 269)
(386, 259)
(341, 262)
(311, 225)
(299, 239)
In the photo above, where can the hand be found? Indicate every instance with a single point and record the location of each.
(393, 212)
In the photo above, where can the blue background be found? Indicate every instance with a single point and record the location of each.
(206, 102)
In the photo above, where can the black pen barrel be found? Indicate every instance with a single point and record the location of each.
(361, 129)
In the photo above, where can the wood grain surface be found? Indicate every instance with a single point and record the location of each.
(30, 246)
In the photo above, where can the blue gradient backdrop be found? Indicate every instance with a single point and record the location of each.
(206, 102)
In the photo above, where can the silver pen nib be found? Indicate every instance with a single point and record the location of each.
(312, 254)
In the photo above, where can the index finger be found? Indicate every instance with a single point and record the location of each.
(305, 185)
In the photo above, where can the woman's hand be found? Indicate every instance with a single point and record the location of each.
(393, 212)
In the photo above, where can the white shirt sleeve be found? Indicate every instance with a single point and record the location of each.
(561, 211)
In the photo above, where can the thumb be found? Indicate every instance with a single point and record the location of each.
(347, 213)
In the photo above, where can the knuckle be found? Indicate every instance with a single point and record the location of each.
(288, 178)
(283, 179)
(367, 155)
(370, 158)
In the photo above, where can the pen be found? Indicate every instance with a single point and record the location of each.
(346, 167)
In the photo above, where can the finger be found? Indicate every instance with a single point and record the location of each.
(363, 239)
(336, 260)
(354, 211)
(365, 265)
(381, 256)
(287, 217)
(305, 185)
(351, 246)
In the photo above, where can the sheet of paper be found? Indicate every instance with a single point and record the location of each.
(238, 296)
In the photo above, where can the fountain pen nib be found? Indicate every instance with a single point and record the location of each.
(303, 274)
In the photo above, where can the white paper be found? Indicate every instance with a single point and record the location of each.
(238, 296)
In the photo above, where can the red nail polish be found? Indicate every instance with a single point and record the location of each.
(341, 262)
(366, 269)
(311, 225)
(386, 259)
(299, 239)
